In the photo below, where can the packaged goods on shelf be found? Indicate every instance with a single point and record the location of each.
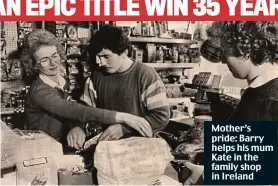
(14, 98)
(173, 90)
(3, 52)
(72, 33)
(86, 69)
(83, 29)
(178, 110)
(58, 28)
(151, 52)
(73, 50)
(137, 54)
(162, 50)
(159, 54)
(24, 28)
(4, 72)
(2, 30)
(11, 70)
(73, 69)
(11, 28)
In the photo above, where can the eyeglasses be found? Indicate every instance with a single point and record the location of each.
(45, 61)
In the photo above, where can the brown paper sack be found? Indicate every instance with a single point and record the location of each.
(132, 161)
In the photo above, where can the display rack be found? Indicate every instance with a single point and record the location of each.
(164, 64)
(172, 65)
(161, 40)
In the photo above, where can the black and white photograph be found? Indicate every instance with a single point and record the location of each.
(125, 102)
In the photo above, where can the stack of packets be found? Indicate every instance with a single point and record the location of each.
(132, 161)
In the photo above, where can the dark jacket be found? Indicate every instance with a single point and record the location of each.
(48, 110)
(259, 104)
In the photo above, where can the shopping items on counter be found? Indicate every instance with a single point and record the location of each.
(75, 176)
(131, 161)
(21, 145)
(188, 144)
(193, 152)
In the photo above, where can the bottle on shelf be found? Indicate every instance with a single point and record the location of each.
(159, 55)
(175, 54)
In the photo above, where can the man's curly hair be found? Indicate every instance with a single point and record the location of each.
(255, 40)
(108, 37)
(32, 42)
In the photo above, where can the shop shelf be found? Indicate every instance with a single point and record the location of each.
(7, 111)
(160, 40)
(184, 100)
(172, 65)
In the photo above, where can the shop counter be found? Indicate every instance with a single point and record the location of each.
(170, 176)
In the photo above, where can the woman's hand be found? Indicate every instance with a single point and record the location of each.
(76, 137)
(138, 123)
(113, 132)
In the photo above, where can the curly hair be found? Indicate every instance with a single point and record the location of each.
(32, 42)
(109, 37)
(255, 40)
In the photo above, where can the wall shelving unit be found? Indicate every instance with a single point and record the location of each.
(168, 65)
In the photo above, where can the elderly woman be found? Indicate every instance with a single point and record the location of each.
(251, 52)
(47, 107)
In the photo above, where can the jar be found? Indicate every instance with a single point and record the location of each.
(168, 54)
(175, 54)
(186, 59)
(181, 58)
(159, 55)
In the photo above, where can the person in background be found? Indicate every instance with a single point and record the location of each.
(47, 106)
(124, 85)
(251, 53)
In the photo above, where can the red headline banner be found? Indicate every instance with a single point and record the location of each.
(130, 10)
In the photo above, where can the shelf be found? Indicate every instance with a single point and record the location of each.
(160, 40)
(184, 100)
(7, 111)
(172, 65)
(180, 118)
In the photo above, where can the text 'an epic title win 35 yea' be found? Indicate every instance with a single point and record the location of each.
(136, 8)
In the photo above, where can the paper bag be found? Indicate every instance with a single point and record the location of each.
(131, 161)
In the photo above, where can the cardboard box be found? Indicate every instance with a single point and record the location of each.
(37, 171)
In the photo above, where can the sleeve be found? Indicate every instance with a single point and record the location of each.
(49, 101)
(155, 100)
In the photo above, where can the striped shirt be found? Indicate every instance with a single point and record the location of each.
(138, 91)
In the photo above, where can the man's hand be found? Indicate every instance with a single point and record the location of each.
(113, 132)
(138, 123)
(76, 138)
(196, 172)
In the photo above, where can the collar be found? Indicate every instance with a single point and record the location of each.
(61, 81)
(267, 73)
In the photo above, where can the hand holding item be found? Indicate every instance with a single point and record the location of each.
(113, 132)
(138, 123)
(197, 171)
(76, 138)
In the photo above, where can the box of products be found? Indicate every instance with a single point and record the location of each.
(37, 171)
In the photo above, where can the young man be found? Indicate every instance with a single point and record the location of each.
(121, 84)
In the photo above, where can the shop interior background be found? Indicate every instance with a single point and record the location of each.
(12, 84)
